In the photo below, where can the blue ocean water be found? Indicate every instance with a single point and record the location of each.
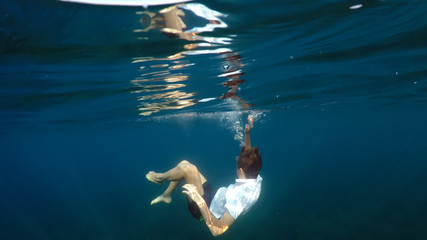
(92, 97)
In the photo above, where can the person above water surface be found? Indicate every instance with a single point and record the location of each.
(218, 210)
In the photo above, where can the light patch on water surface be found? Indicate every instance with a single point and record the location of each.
(127, 2)
(357, 6)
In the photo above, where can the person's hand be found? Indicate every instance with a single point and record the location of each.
(249, 125)
(192, 193)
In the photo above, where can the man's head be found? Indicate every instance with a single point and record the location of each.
(250, 162)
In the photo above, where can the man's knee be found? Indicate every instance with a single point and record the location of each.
(183, 162)
(187, 167)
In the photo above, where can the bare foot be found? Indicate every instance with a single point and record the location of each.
(154, 177)
(161, 198)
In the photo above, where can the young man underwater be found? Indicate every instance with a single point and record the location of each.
(219, 210)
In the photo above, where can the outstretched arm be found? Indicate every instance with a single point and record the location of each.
(215, 225)
(248, 128)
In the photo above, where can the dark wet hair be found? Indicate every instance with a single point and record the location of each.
(250, 161)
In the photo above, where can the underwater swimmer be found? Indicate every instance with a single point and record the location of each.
(221, 208)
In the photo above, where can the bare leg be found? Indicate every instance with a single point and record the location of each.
(184, 171)
(166, 195)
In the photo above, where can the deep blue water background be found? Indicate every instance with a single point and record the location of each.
(339, 94)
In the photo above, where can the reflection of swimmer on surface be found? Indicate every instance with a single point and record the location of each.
(187, 21)
(174, 22)
(219, 210)
(233, 73)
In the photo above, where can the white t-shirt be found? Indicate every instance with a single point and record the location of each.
(237, 198)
